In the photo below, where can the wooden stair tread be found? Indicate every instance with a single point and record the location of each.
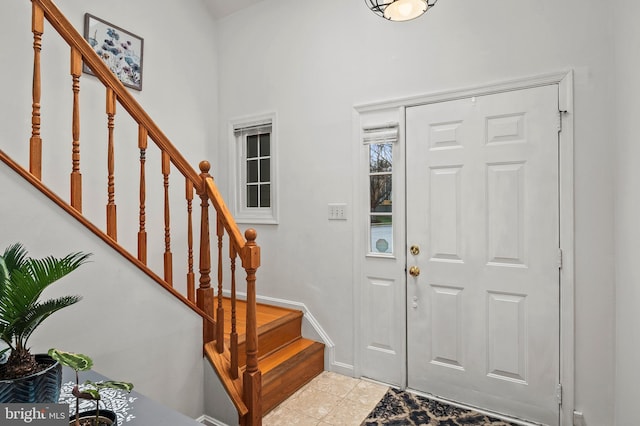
(267, 316)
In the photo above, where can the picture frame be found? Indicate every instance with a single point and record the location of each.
(120, 50)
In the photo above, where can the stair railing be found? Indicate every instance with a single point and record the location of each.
(244, 247)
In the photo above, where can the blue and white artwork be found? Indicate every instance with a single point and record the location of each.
(120, 50)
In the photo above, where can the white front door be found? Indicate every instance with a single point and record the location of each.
(483, 219)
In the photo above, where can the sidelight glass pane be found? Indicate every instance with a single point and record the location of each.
(381, 198)
(252, 146)
(380, 193)
(380, 157)
(381, 233)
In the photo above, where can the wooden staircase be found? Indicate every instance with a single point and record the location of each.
(256, 350)
(287, 360)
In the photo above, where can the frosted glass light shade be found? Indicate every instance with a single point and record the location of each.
(405, 10)
(399, 10)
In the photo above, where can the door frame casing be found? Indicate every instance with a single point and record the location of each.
(564, 81)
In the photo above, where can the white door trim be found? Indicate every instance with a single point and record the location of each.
(564, 80)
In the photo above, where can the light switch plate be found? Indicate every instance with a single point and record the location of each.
(337, 211)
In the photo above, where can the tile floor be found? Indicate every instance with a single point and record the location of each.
(329, 399)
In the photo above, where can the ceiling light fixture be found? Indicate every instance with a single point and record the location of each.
(400, 10)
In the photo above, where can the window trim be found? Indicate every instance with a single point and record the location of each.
(242, 213)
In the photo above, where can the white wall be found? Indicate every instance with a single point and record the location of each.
(178, 91)
(312, 63)
(142, 334)
(627, 212)
(179, 73)
(132, 328)
(217, 403)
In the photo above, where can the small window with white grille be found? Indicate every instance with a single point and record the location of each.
(254, 170)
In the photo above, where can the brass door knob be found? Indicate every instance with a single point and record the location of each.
(414, 271)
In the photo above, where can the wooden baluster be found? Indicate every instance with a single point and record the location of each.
(76, 176)
(168, 257)
(142, 232)
(112, 230)
(190, 275)
(35, 143)
(220, 311)
(204, 294)
(252, 378)
(233, 338)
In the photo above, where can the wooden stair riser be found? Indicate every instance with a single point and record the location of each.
(272, 338)
(283, 381)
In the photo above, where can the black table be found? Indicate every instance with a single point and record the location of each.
(131, 408)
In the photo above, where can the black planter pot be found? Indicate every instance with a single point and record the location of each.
(105, 417)
(42, 387)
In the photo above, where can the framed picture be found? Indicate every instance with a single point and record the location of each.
(118, 48)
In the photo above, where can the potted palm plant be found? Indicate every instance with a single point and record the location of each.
(25, 377)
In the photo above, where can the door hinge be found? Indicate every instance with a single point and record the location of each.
(559, 393)
(559, 123)
(559, 258)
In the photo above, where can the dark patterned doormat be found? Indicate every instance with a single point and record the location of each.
(401, 408)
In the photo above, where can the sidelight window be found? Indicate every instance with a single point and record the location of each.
(380, 153)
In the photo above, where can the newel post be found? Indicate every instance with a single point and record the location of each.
(204, 294)
(252, 379)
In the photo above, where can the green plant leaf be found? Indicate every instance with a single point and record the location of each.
(111, 384)
(4, 272)
(22, 281)
(93, 393)
(79, 362)
(28, 323)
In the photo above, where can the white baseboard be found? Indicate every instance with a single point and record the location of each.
(311, 329)
(210, 421)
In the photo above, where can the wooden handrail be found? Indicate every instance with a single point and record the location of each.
(237, 240)
(126, 99)
(201, 300)
(78, 216)
(76, 41)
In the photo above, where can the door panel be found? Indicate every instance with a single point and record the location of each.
(382, 339)
(482, 204)
(381, 335)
